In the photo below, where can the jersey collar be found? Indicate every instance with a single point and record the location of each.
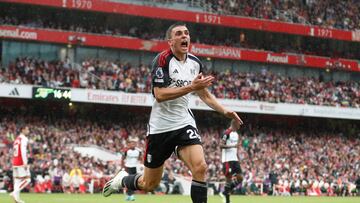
(186, 57)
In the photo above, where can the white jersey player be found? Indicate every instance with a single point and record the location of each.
(131, 160)
(230, 160)
(229, 149)
(172, 128)
(21, 172)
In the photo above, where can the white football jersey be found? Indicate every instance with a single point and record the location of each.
(169, 72)
(230, 154)
(132, 157)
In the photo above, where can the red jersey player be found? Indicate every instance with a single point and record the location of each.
(21, 172)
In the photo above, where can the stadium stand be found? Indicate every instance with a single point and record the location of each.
(280, 155)
(276, 42)
(328, 13)
(334, 14)
(114, 75)
(270, 155)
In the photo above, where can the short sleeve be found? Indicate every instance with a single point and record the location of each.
(160, 72)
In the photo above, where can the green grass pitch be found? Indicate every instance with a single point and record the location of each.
(97, 198)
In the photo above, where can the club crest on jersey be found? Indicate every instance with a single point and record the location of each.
(192, 71)
(149, 158)
(159, 73)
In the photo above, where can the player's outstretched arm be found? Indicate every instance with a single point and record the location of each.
(212, 102)
(164, 93)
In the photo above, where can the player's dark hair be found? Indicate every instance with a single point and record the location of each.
(168, 31)
(22, 127)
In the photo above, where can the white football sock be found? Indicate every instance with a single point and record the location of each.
(20, 184)
(16, 192)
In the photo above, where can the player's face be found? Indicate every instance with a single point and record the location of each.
(132, 144)
(26, 131)
(180, 39)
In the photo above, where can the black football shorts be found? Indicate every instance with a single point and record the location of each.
(159, 147)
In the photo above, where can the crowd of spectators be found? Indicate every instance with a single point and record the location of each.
(328, 13)
(114, 75)
(270, 156)
(51, 150)
(270, 87)
(275, 156)
(139, 28)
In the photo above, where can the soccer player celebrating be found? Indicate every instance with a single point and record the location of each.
(229, 158)
(21, 172)
(172, 127)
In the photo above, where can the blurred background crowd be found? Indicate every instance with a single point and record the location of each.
(279, 155)
(326, 13)
(114, 75)
(271, 157)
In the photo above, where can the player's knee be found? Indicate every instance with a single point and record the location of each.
(200, 169)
